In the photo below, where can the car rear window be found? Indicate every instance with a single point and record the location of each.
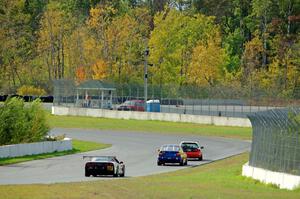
(189, 145)
(104, 158)
(170, 148)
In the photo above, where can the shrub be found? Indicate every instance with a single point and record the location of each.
(20, 123)
(30, 90)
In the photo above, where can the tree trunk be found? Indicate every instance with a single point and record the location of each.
(264, 53)
(62, 59)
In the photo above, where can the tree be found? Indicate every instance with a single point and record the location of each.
(53, 33)
(125, 45)
(262, 10)
(208, 63)
(100, 71)
(16, 42)
(80, 74)
(172, 41)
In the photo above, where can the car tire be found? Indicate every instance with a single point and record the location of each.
(87, 174)
(200, 158)
(159, 163)
(181, 163)
(123, 174)
(116, 174)
(185, 162)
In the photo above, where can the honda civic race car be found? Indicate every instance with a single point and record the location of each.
(104, 165)
(192, 149)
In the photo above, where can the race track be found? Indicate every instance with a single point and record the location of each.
(137, 150)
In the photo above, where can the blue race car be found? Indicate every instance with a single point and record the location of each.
(171, 153)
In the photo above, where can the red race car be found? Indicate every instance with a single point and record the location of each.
(192, 149)
(132, 105)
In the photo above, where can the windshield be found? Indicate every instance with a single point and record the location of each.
(128, 103)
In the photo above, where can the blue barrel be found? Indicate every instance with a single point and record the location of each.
(153, 106)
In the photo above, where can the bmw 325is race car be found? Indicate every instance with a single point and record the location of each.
(171, 153)
(104, 165)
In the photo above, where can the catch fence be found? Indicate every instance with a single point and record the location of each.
(214, 101)
(276, 140)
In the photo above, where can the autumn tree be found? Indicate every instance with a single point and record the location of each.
(53, 34)
(100, 70)
(172, 42)
(252, 62)
(16, 43)
(80, 74)
(208, 63)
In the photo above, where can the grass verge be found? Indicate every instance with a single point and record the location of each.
(221, 179)
(149, 126)
(78, 147)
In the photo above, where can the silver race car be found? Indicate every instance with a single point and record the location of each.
(104, 165)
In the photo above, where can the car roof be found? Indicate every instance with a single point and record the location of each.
(182, 142)
(170, 146)
(103, 159)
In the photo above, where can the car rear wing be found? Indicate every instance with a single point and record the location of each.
(97, 156)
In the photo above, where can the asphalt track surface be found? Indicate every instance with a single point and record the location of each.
(138, 150)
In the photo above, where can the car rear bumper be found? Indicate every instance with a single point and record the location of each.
(169, 160)
(99, 172)
(193, 155)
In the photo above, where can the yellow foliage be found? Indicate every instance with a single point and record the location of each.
(251, 56)
(207, 62)
(100, 70)
(30, 90)
(100, 15)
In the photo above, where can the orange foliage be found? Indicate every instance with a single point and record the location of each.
(80, 74)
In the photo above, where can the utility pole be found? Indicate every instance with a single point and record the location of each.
(146, 53)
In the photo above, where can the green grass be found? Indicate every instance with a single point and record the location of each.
(78, 147)
(221, 179)
(149, 126)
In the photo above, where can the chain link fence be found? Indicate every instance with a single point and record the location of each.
(214, 101)
(276, 140)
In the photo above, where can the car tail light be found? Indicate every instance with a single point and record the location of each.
(89, 164)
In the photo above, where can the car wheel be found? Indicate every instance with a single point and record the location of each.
(87, 174)
(182, 163)
(123, 174)
(159, 163)
(185, 162)
(200, 158)
(94, 175)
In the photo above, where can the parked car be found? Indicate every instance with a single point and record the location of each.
(192, 149)
(104, 165)
(171, 153)
(132, 105)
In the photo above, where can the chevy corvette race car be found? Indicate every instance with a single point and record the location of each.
(104, 165)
